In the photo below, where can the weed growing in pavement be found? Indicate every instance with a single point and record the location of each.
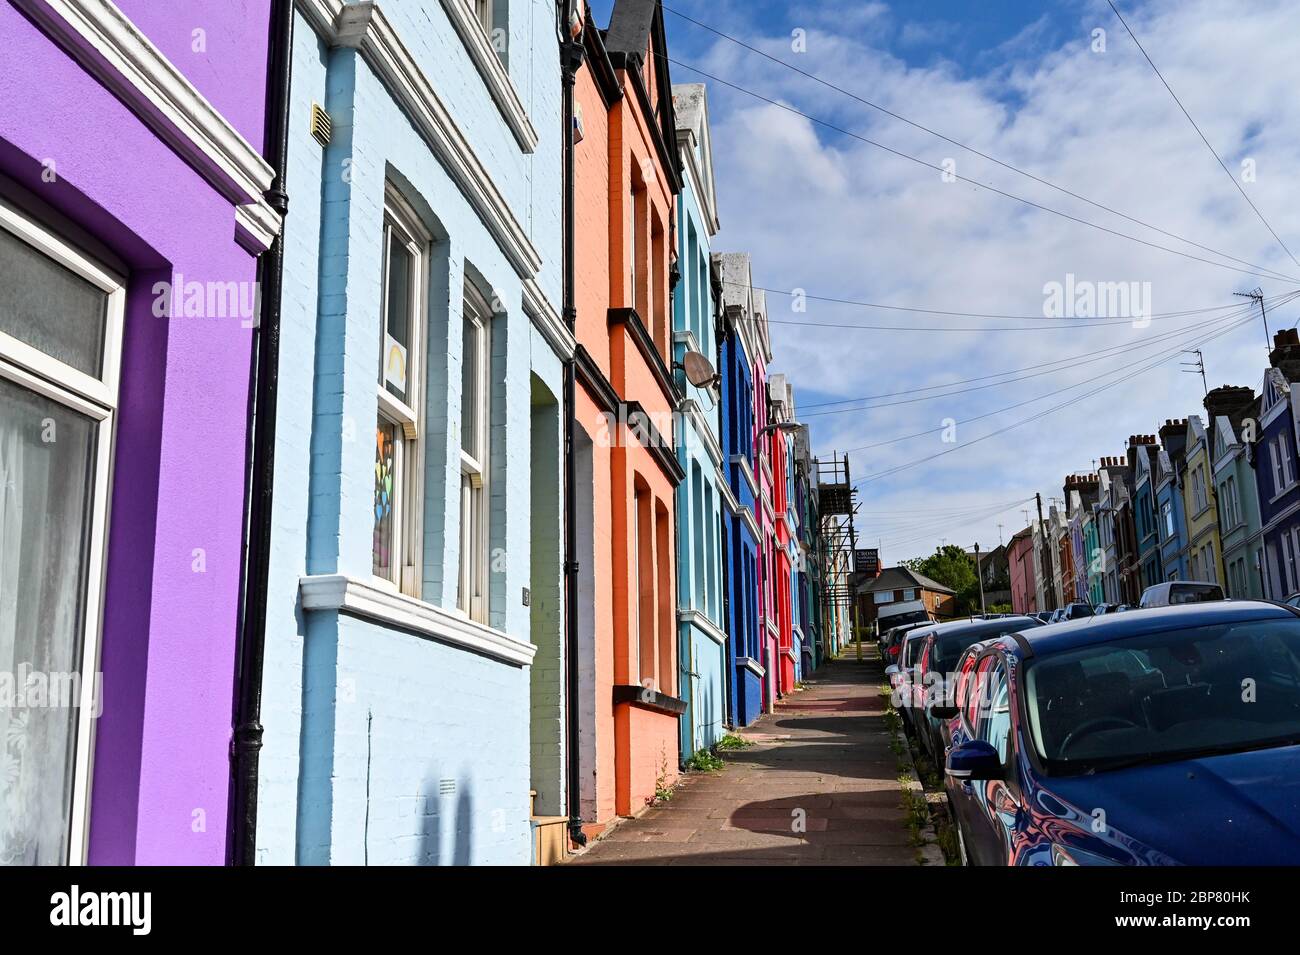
(663, 792)
(732, 741)
(916, 806)
(705, 761)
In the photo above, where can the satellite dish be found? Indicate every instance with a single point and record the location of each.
(699, 370)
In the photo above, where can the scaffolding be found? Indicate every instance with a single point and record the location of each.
(836, 505)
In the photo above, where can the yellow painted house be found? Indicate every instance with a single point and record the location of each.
(1204, 547)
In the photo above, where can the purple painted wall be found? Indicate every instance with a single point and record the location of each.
(161, 757)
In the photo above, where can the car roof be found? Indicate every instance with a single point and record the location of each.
(977, 625)
(1084, 631)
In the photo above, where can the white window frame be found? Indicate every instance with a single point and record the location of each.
(402, 224)
(482, 11)
(477, 468)
(95, 397)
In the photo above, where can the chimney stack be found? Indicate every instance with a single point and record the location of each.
(1227, 398)
(1286, 346)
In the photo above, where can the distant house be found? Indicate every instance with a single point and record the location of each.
(1233, 414)
(1277, 473)
(901, 583)
(1024, 579)
(1168, 478)
(996, 574)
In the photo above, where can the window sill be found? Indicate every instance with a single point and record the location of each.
(647, 699)
(371, 600)
(1282, 493)
(701, 621)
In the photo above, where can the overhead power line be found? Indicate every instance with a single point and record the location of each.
(1167, 353)
(1042, 414)
(960, 145)
(954, 314)
(1076, 360)
(1226, 171)
(804, 406)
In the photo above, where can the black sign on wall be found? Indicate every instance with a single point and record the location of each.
(867, 561)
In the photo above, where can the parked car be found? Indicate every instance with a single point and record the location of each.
(1075, 611)
(1104, 608)
(1128, 740)
(1043, 616)
(938, 666)
(1173, 592)
(891, 641)
(902, 675)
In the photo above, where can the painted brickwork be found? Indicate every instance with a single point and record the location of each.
(441, 736)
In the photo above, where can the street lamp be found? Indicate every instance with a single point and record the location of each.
(788, 427)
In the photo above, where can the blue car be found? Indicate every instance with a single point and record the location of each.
(1170, 736)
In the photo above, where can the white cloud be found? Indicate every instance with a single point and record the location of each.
(840, 218)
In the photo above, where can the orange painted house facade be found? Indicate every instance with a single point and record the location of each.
(625, 181)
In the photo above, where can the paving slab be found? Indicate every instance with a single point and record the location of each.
(819, 786)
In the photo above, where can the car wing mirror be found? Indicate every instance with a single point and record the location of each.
(974, 759)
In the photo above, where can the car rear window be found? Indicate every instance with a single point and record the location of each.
(1194, 593)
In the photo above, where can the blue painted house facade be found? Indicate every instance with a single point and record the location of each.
(1170, 514)
(741, 533)
(1277, 469)
(702, 640)
(413, 689)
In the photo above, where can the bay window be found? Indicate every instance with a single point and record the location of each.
(60, 335)
(397, 498)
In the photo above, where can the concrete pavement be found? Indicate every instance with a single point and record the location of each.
(819, 786)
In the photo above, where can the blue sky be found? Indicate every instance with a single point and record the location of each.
(1025, 83)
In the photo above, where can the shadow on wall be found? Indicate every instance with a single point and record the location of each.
(448, 814)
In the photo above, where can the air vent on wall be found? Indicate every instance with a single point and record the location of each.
(320, 125)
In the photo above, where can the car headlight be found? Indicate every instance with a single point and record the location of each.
(1061, 857)
(1075, 856)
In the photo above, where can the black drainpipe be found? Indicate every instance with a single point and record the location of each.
(246, 738)
(570, 60)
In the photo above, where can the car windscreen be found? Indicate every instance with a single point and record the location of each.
(950, 646)
(910, 616)
(1168, 695)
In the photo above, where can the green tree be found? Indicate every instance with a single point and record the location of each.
(953, 567)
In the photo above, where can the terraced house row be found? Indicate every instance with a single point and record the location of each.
(389, 462)
(1212, 497)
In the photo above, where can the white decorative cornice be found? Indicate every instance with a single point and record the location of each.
(701, 622)
(363, 27)
(366, 598)
(742, 462)
(120, 56)
(493, 72)
(725, 491)
(547, 320)
(747, 516)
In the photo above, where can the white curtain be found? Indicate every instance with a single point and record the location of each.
(46, 457)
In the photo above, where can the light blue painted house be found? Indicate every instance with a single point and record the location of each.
(702, 636)
(413, 672)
